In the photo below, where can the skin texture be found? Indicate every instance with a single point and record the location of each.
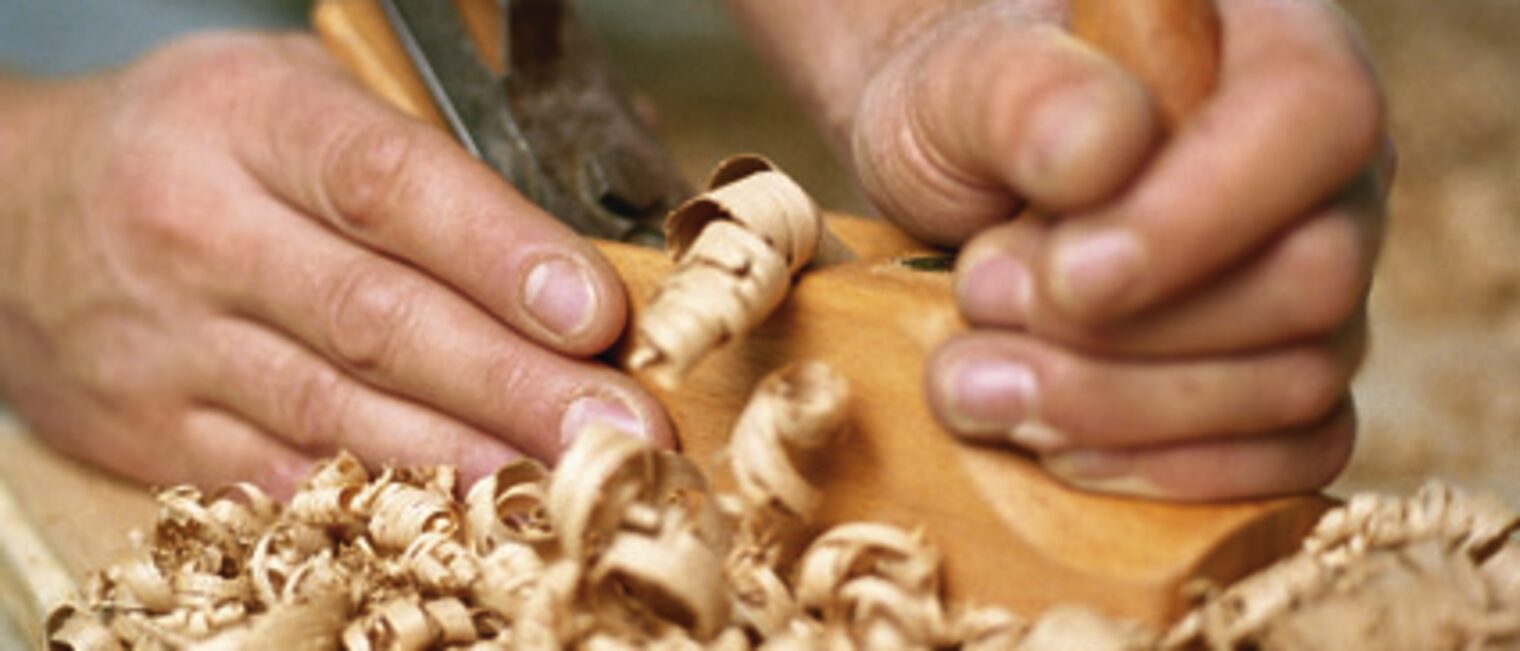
(1186, 320)
(228, 259)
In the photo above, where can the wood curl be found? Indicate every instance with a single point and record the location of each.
(1433, 571)
(793, 413)
(645, 569)
(736, 248)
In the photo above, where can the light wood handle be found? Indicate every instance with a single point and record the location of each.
(1171, 45)
(1011, 535)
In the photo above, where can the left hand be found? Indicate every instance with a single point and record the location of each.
(1188, 327)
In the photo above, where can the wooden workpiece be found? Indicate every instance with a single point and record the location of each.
(1010, 534)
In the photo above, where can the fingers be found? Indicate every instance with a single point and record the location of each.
(404, 189)
(1296, 115)
(1284, 463)
(1301, 287)
(990, 107)
(1200, 429)
(301, 399)
(994, 386)
(410, 336)
(220, 448)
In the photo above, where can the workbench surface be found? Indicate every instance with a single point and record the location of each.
(82, 517)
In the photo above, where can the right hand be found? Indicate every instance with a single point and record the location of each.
(230, 259)
(1187, 323)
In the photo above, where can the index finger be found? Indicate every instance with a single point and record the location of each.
(1296, 115)
(405, 189)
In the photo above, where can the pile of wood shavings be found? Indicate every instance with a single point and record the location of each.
(1437, 571)
(625, 547)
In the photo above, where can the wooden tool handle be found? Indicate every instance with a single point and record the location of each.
(1171, 45)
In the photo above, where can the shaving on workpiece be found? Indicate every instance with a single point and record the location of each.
(737, 247)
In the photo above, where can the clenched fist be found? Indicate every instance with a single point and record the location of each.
(1187, 324)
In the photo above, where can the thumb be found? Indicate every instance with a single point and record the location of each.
(991, 109)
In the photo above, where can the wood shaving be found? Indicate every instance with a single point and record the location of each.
(1435, 571)
(622, 547)
(736, 247)
(792, 414)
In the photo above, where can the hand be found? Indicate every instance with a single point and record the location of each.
(229, 259)
(1188, 325)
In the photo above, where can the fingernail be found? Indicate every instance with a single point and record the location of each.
(1034, 434)
(1097, 271)
(559, 295)
(1000, 397)
(1100, 472)
(588, 410)
(998, 288)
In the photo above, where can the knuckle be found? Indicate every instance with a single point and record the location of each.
(111, 379)
(1336, 442)
(1318, 454)
(369, 310)
(906, 170)
(177, 74)
(366, 170)
(165, 233)
(1330, 256)
(1316, 382)
(317, 402)
(1361, 107)
(1344, 91)
(134, 194)
(508, 373)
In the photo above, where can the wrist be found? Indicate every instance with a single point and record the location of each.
(37, 118)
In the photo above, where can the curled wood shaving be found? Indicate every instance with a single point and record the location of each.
(70, 627)
(880, 582)
(1474, 525)
(736, 248)
(793, 413)
(509, 506)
